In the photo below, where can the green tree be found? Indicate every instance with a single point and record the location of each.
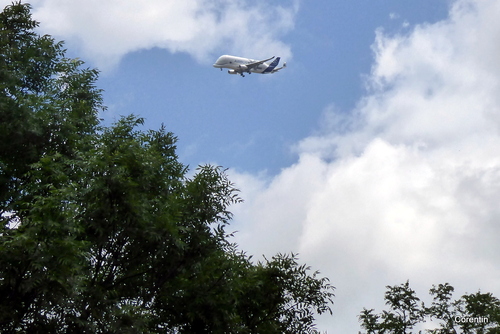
(48, 102)
(405, 311)
(477, 313)
(479, 306)
(103, 231)
(443, 309)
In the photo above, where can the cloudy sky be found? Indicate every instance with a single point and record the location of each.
(375, 154)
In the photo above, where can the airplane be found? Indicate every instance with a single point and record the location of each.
(239, 65)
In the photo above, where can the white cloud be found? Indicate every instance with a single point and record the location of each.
(107, 30)
(394, 16)
(407, 185)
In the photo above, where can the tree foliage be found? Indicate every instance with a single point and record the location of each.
(102, 231)
(477, 313)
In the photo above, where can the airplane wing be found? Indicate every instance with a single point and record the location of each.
(257, 63)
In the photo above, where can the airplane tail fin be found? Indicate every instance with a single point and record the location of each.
(275, 63)
(271, 66)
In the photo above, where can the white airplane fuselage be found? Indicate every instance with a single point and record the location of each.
(240, 65)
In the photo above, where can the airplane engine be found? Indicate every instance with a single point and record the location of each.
(232, 72)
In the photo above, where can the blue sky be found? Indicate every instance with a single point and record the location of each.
(251, 123)
(375, 154)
